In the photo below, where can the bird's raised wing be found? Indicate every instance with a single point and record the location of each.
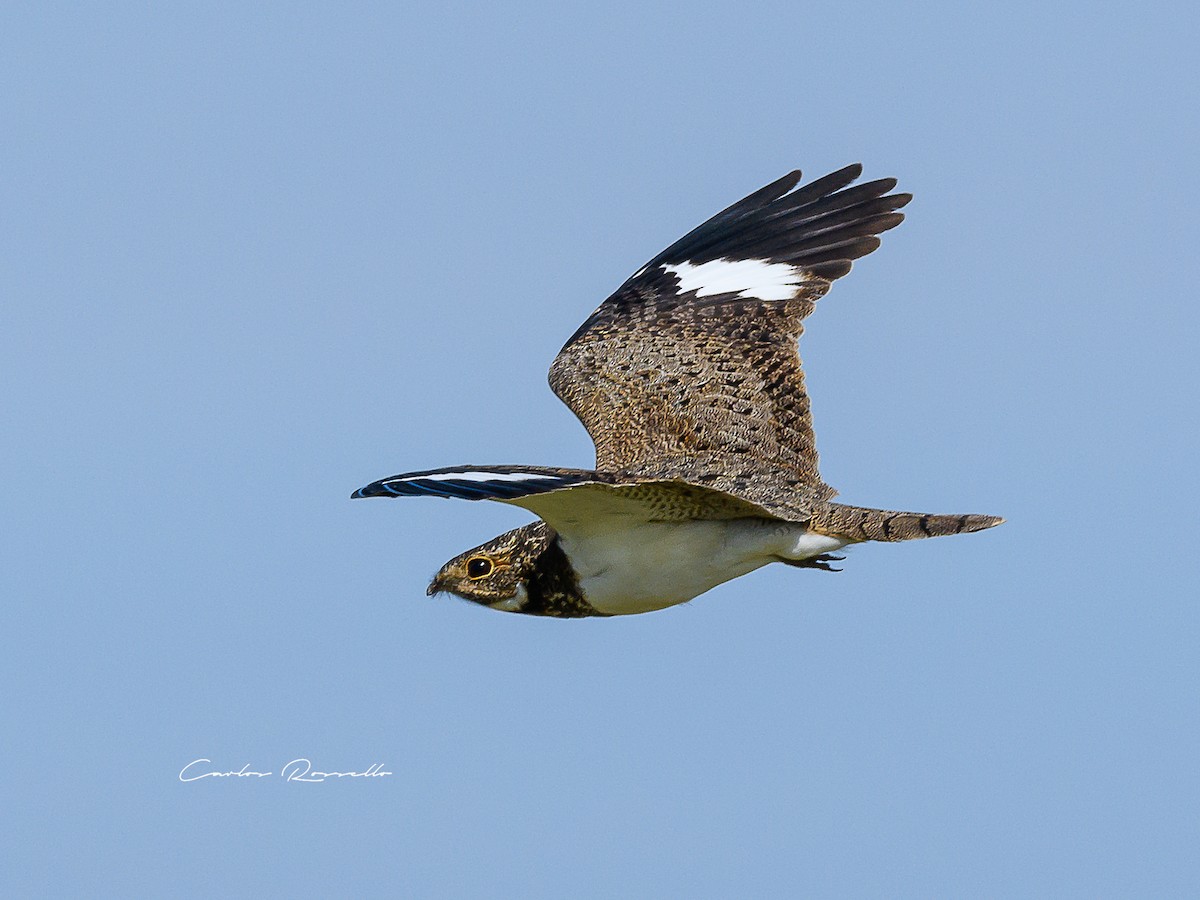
(691, 367)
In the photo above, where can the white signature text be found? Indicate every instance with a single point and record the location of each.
(296, 770)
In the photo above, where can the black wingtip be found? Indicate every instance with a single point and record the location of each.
(812, 225)
(374, 489)
(477, 482)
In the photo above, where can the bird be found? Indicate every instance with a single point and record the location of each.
(689, 381)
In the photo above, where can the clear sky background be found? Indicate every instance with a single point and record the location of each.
(255, 256)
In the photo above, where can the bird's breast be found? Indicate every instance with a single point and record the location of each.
(637, 567)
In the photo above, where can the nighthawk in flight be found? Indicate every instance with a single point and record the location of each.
(689, 381)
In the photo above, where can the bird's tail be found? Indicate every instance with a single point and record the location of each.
(858, 523)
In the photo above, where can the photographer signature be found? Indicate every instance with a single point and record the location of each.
(296, 770)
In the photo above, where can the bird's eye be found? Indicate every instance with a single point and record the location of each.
(479, 567)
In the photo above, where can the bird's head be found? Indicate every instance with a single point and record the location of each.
(495, 574)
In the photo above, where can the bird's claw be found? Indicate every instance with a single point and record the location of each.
(822, 562)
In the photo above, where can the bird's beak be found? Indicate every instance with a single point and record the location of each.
(435, 587)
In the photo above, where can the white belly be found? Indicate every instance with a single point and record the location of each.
(652, 565)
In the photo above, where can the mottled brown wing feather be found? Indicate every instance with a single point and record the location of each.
(694, 382)
(675, 378)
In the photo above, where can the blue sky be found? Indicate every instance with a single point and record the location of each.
(256, 258)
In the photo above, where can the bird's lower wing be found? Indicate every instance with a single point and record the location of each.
(478, 482)
(568, 498)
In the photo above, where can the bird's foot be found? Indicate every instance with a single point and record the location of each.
(821, 562)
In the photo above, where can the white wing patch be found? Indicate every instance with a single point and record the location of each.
(744, 277)
(471, 484)
(486, 476)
